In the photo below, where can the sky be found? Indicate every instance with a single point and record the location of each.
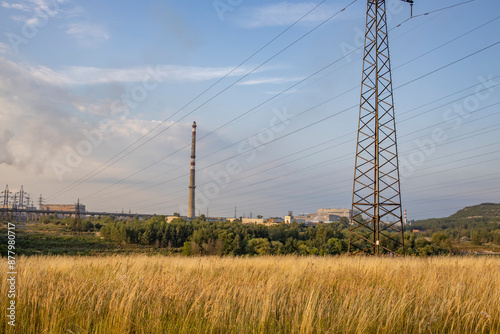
(97, 100)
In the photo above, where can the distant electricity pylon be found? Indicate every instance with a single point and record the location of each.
(376, 225)
(6, 200)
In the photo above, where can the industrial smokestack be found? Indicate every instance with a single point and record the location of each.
(192, 184)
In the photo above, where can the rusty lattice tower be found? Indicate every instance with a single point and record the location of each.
(376, 225)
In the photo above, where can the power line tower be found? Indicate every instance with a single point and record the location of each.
(5, 206)
(13, 212)
(40, 202)
(21, 197)
(376, 220)
(77, 215)
(22, 216)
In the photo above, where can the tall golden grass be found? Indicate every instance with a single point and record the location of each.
(141, 294)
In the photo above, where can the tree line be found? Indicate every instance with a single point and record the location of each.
(480, 230)
(201, 237)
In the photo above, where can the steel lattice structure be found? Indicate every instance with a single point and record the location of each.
(376, 220)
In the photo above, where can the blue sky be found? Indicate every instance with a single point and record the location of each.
(83, 83)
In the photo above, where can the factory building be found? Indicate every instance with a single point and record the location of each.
(62, 207)
(335, 212)
(322, 215)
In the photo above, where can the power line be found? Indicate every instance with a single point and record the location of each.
(461, 138)
(483, 49)
(435, 11)
(305, 127)
(460, 153)
(289, 88)
(398, 122)
(451, 41)
(452, 63)
(309, 125)
(109, 163)
(323, 176)
(420, 114)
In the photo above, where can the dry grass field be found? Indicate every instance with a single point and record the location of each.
(141, 294)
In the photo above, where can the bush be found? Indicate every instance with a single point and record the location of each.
(475, 237)
(259, 246)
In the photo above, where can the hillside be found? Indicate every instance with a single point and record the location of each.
(474, 229)
(485, 210)
(468, 217)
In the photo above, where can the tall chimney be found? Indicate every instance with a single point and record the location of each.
(192, 186)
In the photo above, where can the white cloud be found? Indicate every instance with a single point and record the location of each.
(282, 14)
(33, 126)
(290, 91)
(4, 48)
(36, 13)
(36, 7)
(6, 156)
(15, 6)
(80, 75)
(87, 33)
(277, 80)
(128, 128)
(40, 117)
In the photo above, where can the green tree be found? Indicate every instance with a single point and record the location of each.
(277, 248)
(442, 240)
(191, 249)
(344, 221)
(148, 236)
(260, 246)
(475, 237)
(291, 246)
(426, 250)
(335, 246)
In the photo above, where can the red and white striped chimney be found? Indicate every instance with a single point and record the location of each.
(192, 184)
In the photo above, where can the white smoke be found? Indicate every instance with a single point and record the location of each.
(5, 154)
(36, 118)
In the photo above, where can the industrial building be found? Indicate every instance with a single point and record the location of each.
(253, 220)
(62, 207)
(322, 215)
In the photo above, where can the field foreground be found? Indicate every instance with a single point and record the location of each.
(141, 294)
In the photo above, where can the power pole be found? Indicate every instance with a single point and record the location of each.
(6, 197)
(5, 207)
(40, 202)
(376, 220)
(14, 208)
(76, 225)
(28, 206)
(23, 217)
(21, 197)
